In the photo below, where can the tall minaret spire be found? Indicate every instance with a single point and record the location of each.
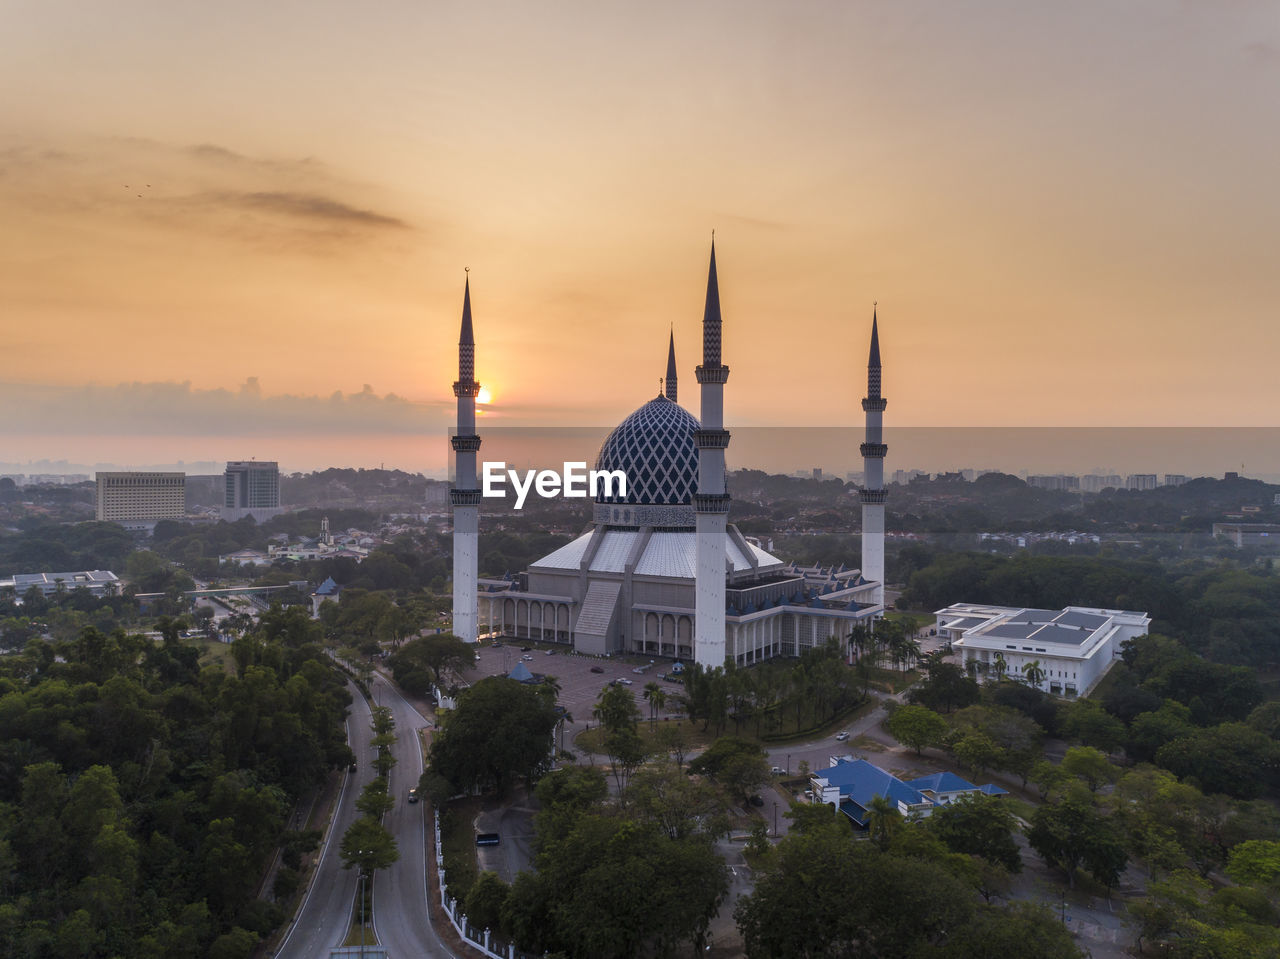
(669, 384)
(873, 451)
(711, 502)
(465, 495)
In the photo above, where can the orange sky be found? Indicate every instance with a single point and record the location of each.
(1068, 213)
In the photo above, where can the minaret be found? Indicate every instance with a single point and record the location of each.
(669, 384)
(711, 502)
(465, 495)
(873, 492)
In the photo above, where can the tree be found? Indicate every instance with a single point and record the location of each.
(1086, 721)
(1071, 833)
(801, 907)
(883, 820)
(916, 726)
(673, 740)
(1034, 673)
(485, 901)
(657, 699)
(1028, 930)
(616, 709)
(945, 686)
(977, 751)
(368, 846)
(740, 765)
(501, 730)
(978, 825)
(1255, 862)
(1231, 758)
(1000, 667)
(1088, 765)
(375, 801)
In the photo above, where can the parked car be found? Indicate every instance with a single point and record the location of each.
(776, 770)
(625, 682)
(413, 795)
(527, 658)
(351, 768)
(551, 652)
(597, 669)
(841, 737)
(756, 801)
(488, 839)
(524, 649)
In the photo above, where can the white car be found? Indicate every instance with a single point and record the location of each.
(841, 737)
(625, 682)
(527, 658)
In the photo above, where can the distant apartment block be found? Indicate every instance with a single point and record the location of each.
(1249, 534)
(1097, 482)
(903, 477)
(1141, 481)
(1059, 482)
(251, 488)
(141, 498)
(1175, 479)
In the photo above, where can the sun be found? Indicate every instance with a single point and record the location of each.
(484, 396)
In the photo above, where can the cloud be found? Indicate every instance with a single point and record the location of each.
(313, 206)
(166, 408)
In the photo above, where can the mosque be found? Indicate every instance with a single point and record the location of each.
(661, 572)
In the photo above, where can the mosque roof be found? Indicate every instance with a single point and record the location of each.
(668, 553)
(654, 447)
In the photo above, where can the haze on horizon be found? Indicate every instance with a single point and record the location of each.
(237, 221)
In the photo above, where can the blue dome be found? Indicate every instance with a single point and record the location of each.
(655, 448)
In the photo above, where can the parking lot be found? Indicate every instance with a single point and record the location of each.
(579, 686)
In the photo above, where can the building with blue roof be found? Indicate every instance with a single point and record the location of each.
(851, 784)
(327, 590)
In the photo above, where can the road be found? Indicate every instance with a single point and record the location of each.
(400, 893)
(325, 916)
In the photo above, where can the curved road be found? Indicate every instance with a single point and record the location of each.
(325, 916)
(400, 893)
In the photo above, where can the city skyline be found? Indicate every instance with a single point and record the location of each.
(242, 231)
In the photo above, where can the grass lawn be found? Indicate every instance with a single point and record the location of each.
(213, 652)
(867, 744)
(891, 680)
(592, 739)
(353, 937)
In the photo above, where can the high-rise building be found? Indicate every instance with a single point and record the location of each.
(1141, 481)
(141, 497)
(251, 488)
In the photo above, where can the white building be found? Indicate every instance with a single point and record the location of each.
(661, 571)
(1074, 647)
(96, 581)
(141, 497)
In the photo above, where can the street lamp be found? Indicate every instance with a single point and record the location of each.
(363, 879)
(775, 819)
(788, 764)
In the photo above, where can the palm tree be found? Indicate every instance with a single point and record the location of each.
(1000, 666)
(1034, 672)
(883, 820)
(657, 698)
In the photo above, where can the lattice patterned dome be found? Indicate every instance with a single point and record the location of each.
(655, 448)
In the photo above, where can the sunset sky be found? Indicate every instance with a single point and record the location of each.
(241, 225)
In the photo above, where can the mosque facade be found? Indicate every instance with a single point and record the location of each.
(661, 572)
